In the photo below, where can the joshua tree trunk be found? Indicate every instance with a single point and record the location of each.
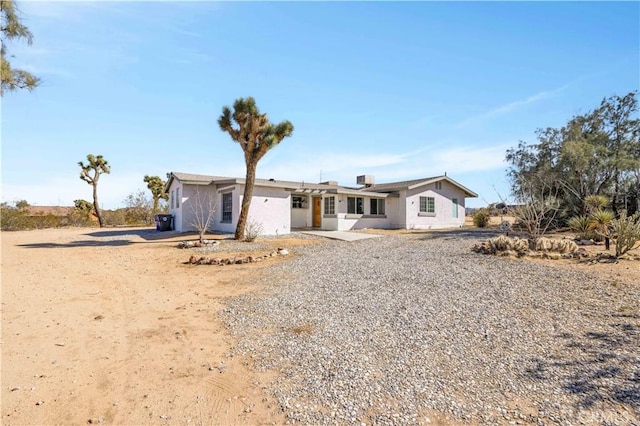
(96, 206)
(246, 198)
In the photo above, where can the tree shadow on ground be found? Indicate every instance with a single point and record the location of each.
(597, 366)
(80, 243)
(461, 234)
(126, 236)
(149, 234)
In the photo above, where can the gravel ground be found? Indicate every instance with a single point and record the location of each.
(418, 329)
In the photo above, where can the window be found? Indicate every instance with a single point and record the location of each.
(355, 205)
(172, 198)
(298, 201)
(330, 205)
(428, 205)
(454, 207)
(227, 207)
(438, 185)
(177, 197)
(377, 206)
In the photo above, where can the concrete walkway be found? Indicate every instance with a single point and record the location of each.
(342, 235)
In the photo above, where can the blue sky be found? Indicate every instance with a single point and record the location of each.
(395, 90)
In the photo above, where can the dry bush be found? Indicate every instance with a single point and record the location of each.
(252, 230)
(627, 229)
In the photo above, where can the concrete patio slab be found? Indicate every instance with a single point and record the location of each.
(342, 235)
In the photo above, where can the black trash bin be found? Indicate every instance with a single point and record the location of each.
(164, 222)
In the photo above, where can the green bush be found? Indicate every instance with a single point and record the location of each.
(581, 226)
(627, 229)
(481, 218)
(13, 218)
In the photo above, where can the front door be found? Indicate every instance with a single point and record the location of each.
(317, 212)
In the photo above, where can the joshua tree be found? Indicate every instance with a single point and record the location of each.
(156, 186)
(600, 222)
(256, 135)
(12, 28)
(91, 174)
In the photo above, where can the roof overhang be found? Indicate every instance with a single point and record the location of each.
(467, 192)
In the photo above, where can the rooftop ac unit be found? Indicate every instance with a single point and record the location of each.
(366, 180)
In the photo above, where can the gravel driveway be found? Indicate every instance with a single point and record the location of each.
(419, 329)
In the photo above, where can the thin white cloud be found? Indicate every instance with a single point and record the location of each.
(512, 106)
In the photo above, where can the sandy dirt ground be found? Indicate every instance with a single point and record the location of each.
(109, 327)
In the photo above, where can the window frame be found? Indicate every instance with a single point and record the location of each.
(378, 211)
(299, 201)
(227, 215)
(358, 205)
(329, 205)
(427, 206)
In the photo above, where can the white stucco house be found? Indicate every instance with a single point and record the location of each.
(280, 206)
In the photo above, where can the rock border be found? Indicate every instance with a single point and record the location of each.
(202, 260)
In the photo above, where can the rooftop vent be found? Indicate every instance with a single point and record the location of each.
(366, 180)
(330, 182)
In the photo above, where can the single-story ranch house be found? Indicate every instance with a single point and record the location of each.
(280, 206)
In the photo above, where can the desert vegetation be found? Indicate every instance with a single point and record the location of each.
(584, 176)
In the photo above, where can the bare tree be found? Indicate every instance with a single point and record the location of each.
(537, 208)
(203, 207)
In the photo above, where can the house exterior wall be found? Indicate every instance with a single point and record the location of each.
(175, 212)
(443, 217)
(271, 208)
(345, 221)
(195, 200)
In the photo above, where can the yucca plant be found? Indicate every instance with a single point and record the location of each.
(593, 203)
(627, 228)
(600, 222)
(580, 225)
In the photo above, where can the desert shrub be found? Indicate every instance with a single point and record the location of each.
(553, 245)
(114, 217)
(481, 218)
(13, 218)
(580, 225)
(79, 218)
(503, 243)
(627, 228)
(252, 230)
(138, 209)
